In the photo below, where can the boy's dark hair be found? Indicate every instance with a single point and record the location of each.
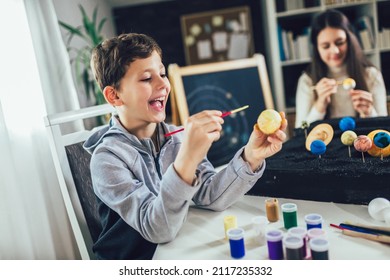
(111, 58)
(356, 61)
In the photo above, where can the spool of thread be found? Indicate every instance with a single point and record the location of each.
(275, 244)
(289, 211)
(302, 234)
(228, 223)
(294, 247)
(313, 221)
(272, 209)
(236, 241)
(319, 248)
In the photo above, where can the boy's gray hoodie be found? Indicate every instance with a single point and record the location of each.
(142, 199)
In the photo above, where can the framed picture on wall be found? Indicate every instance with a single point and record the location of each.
(218, 35)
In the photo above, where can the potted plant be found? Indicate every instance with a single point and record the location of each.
(90, 32)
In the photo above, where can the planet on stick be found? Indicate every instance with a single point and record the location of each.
(318, 147)
(348, 137)
(376, 151)
(382, 140)
(362, 143)
(347, 123)
(269, 121)
(322, 132)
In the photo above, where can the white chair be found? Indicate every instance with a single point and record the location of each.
(72, 166)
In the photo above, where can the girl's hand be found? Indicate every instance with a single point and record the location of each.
(324, 88)
(261, 146)
(362, 102)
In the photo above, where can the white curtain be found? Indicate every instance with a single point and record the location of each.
(35, 81)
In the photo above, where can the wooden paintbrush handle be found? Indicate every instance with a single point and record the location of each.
(373, 237)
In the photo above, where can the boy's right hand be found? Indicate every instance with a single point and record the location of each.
(201, 130)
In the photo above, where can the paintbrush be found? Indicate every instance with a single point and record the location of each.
(224, 114)
(369, 236)
(367, 229)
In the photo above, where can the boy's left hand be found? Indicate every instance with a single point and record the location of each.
(261, 146)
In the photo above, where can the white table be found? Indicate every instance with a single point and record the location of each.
(202, 236)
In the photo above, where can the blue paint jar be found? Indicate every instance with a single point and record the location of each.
(236, 241)
(313, 221)
(275, 245)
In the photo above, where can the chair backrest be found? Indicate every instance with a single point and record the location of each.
(72, 166)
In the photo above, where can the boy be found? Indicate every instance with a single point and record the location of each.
(145, 181)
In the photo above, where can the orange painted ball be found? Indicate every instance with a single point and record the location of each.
(362, 143)
(269, 121)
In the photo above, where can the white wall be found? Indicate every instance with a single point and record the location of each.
(69, 12)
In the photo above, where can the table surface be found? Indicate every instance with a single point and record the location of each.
(202, 235)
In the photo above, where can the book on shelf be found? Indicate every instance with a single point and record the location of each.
(290, 5)
(384, 38)
(294, 45)
(280, 40)
(365, 31)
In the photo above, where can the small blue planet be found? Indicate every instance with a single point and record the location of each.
(318, 147)
(381, 140)
(347, 123)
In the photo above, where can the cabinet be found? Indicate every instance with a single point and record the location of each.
(290, 19)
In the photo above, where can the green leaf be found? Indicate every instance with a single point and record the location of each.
(102, 22)
(71, 29)
(90, 31)
(86, 83)
(94, 16)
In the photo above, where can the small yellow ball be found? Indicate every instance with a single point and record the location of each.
(269, 121)
(348, 137)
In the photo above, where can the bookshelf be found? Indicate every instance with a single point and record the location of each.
(288, 47)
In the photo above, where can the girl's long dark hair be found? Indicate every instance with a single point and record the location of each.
(355, 59)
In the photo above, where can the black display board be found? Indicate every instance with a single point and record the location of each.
(224, 86)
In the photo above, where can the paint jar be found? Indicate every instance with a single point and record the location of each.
(302, 234)
(272, 209)
(228, 223)
(313, 221)
(236, 241)
(289, 211)
(319, 248)
(316, 232)
(259, 224)
(275, 244)
(294, 247)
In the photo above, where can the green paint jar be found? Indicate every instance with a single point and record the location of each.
(289, 211)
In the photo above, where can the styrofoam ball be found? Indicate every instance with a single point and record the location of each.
(386, 214)
(377, 208)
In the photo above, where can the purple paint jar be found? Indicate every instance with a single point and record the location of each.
(236, 241)
(275, 245)
(313, 221)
